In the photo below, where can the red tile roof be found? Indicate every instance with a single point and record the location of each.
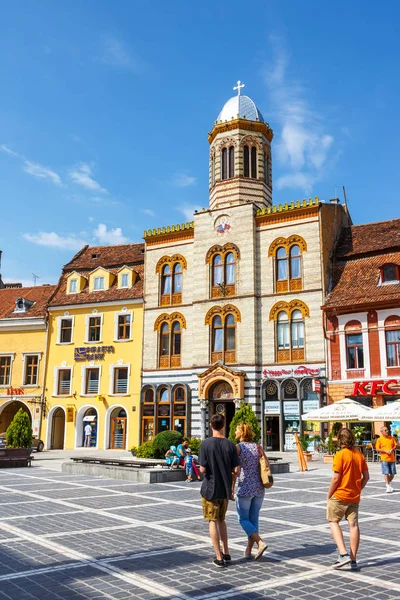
(359, 254)
(110, 258)
(40, 295)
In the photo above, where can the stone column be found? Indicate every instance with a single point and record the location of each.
(203, 406)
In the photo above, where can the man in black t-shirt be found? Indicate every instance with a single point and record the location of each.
(218, 459)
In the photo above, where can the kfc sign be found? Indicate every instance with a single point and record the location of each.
(391, 387)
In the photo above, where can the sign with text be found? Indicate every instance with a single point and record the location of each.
(389, 387)
(92, 352)
(300, 371)
(291, 408)
(309, 405)
(15, 392)
(271, 408)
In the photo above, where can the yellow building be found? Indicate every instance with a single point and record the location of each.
(23, 332)
(93, 371)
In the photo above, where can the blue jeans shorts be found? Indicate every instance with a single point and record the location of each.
(388, 468)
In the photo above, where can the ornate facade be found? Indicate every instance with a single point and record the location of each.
(233, 299)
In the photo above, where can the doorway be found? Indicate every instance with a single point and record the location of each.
(90, 418)
(118, 429)
(221, 396)
(272, 433)
(8, 413)
(57, 430)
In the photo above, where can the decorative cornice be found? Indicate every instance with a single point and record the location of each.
(166, 318)
(301, 209)
(288, 307)
(171, 261)
(286, 243)
(222, 311)
(223, 127)
(169, 233)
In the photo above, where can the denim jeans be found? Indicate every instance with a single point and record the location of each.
(248, 510)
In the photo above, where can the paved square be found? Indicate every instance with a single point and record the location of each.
(65, 536)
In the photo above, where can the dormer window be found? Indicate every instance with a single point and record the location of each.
(99, 283)
(95, 255)
(22, 305)
(390, 274)
(124, 280)
(73, 286)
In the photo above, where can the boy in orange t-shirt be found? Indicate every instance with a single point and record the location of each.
(386, 446)
(350, 475)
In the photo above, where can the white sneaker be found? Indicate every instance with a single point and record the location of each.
(389, 489)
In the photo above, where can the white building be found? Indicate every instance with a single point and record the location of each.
(232, 309)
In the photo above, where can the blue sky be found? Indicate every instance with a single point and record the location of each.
(105, 109)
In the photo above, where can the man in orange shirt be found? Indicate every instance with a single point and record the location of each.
(386, 446)
(350, 475)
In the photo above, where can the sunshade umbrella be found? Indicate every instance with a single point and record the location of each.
(387, 412)
(343, 410)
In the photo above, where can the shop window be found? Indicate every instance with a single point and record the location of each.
(92, 380)
(179, 410)
(65, 331)
(124, 326)
(171, 283)
(94, 329)
(390, 274)
(354, 345)
(290, 336)
(121, 377)
(64, 382)
(288, 257)
(5, 371)
(392, 334)
(163, 411)
(170, 340)
(31, 369)
(291, 413)
(222, 262)
(148, 416)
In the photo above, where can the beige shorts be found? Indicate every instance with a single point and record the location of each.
(337, 509)
(214, 510)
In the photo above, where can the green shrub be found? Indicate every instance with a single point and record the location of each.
(164, 440)
(245, 414)
(194, 445)
(134, 449)
(19, 433)
(305, 440)
(145, 450)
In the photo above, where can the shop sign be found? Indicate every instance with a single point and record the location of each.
(300, 371)
(92, 352)
(271, 408)
(309, 405)
(15, 392)
(70, 414)
(316, 384)
(390, 387)
(291, 408)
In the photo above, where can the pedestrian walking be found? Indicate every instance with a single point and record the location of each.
(189, 465)
(88, 435)
(386, 446)
(218, 460)
(250, 492)
(350, 476)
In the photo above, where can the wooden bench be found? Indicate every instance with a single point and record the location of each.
(118, 462)
(15, 457)
(274, 459)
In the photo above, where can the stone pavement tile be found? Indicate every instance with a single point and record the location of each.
(85, 583)
(35, 508)
(302, 515)
(160, 512)
(77, 521)
(19, 556)
(74, 492)
(388, 571)
(105, 503)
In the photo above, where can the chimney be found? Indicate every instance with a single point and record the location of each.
(334, 201)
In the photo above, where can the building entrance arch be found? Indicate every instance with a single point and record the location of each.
(118, 428)
(57, 429)
(86, 415)
(8, 410)
(221, 398)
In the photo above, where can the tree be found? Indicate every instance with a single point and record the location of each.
(245, 414)
(19, 432)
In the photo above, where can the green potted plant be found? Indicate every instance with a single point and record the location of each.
(305, 441)
(359, 431)
(19, 438)
(331, 447)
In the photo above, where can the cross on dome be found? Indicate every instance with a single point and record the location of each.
(239, 86)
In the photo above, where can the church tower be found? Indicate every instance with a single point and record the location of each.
(240, 155)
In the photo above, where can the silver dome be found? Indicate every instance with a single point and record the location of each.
(240, 107)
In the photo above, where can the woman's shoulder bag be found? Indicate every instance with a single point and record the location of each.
(265, 472)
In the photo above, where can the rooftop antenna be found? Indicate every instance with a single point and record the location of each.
(35, 278)
(344, 195)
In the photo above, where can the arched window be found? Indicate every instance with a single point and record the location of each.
(288, 257)
(176, 344)
(224, 163)
(149, 396)
(212, 167)
(266, 167)
(354, 345)
(179, 410)
(148, 416)
(218, 270)
(392, 334)
(231, 161)
(163, 411)
(290, 336)
(177, 279)
(295, 258)
(281, 265)
(166, 281)
(246, 162)
(223, 338)
(254, 162)
(230, 269)
(170, 333)
(164, 345)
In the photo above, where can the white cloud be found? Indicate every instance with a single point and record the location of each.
(182, 180)
(41, 172)
(117, 54)
(304, 146)
(4, 148)
(109, 236)
(188, 210)
(54, 240)
(148, 211)
(82, 175)
(91, 219)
